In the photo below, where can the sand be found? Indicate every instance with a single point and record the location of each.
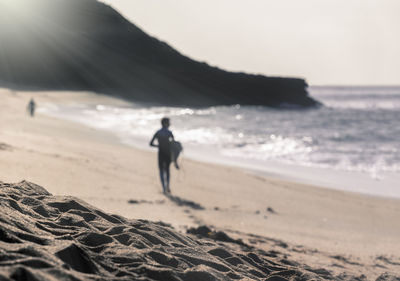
(45, 237)
(347, 234)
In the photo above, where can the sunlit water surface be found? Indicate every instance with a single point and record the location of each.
(357, 129)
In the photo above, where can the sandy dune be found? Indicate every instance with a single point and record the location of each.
(44, 237)
(346, 234)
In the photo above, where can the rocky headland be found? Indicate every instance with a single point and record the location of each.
(87, 45)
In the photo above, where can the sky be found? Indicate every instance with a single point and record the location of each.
(327, 42)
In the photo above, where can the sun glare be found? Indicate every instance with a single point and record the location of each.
(21, 10)
(16, 6)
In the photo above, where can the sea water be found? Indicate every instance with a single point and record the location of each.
(352, 142)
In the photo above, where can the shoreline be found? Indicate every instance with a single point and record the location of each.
(75, 160)
(367, 183)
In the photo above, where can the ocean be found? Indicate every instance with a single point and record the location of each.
(352, 142)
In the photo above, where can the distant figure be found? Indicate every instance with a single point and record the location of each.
(31, 107)
(165, 144)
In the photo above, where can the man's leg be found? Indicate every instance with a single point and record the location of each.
(162, 171)
(167, 164)
(162, 180)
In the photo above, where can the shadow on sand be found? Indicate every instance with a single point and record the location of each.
(184, 203)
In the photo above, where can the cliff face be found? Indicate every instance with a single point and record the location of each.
(86, 45)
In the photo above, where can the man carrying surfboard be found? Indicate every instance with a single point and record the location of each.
(168, 150)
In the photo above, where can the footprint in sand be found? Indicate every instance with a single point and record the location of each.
(5, 146)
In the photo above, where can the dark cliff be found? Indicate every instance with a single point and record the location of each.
(86, 45)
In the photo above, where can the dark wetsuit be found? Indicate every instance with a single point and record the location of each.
(164, 138)
(31, 107)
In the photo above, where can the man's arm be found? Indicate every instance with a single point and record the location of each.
(152, 141)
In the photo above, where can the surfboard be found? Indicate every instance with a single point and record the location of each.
(176, 148)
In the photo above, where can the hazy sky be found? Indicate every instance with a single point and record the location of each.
(325, 41)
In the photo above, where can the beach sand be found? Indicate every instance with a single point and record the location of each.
(318, 227)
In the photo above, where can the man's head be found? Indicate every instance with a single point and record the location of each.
(165, 122)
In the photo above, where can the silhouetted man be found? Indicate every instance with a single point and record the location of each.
(31, 107)
(164, 139)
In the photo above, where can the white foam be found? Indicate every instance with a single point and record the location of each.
(324, 146)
